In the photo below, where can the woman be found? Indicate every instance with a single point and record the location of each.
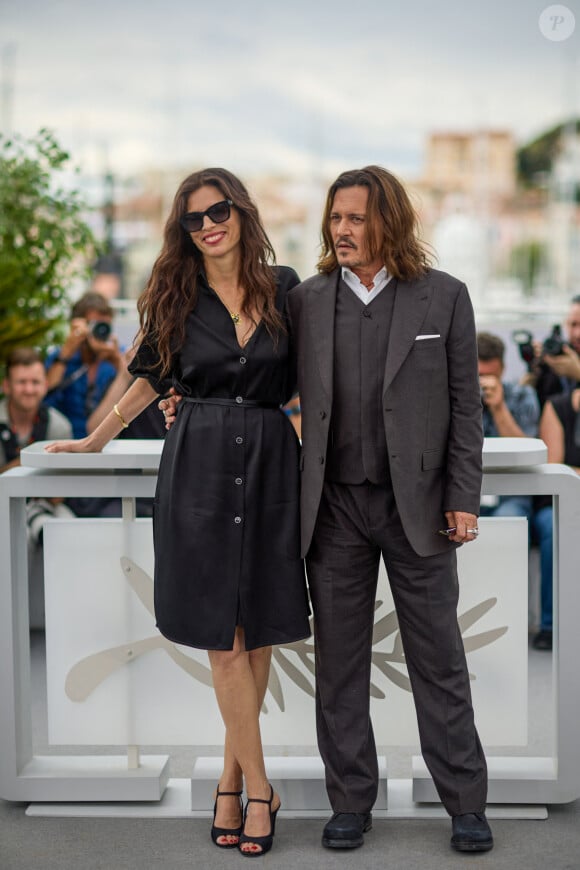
(228, 577)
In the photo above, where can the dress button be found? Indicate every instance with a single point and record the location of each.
(238, 481)
(239, 440)
(239, 400)
(367, 313)
(237, 520)
(243, 360)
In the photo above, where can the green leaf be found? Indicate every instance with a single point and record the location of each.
(45, 243)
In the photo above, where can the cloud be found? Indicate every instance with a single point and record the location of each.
(282, 85)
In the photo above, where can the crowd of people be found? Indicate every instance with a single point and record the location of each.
(382, 350)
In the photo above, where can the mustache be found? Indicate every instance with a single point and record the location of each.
(344, 241)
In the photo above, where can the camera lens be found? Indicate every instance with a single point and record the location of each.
(101, 330)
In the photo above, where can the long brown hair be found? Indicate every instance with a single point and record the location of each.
(391, 226)
(171, 291)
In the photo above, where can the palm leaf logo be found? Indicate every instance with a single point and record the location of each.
(295, 660)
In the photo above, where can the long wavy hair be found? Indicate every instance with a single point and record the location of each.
(171, 292)
(391, 226)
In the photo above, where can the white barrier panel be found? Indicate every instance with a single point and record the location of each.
(113, 679)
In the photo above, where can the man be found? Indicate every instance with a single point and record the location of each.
(558, 373)
(23, 420)
(509, 411)
(391, 456)
(80, 372)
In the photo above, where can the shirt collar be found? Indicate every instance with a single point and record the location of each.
(365, 295)
(381, 278)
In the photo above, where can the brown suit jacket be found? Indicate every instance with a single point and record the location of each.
(431, 401)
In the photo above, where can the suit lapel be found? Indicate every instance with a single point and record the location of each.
(321, 302)
(411, 303)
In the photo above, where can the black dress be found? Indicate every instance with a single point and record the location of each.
(225, 521)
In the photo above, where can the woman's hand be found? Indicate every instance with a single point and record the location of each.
(168, 406)
(81, 445)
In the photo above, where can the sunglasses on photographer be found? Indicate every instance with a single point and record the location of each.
(192, 222)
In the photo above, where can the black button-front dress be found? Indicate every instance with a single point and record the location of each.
(226, 523)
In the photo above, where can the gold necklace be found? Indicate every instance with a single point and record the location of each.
(235, 317)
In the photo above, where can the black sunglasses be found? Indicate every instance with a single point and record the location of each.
(219, 212)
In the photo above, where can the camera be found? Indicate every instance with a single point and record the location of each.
(523, 339)
(553, 344)
(101, 330)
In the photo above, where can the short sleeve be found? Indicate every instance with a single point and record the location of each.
(147, 364)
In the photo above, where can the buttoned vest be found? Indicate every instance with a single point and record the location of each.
(357, 448)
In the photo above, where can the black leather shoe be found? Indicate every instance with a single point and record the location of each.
(543, 639)
(345, 830)
(471, 833)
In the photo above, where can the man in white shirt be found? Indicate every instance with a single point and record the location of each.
(391, 456)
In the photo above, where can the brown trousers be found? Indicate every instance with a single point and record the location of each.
(355, 525)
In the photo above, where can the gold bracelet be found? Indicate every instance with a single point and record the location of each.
(120, 416)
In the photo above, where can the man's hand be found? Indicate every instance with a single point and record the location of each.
(106, 351)
(168, 406)
(465, 526)
(492, 390)
(567, 365)
(79, 330)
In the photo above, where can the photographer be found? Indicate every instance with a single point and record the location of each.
(554, 364)
(89, 375)
(509, 411)
(80, 372)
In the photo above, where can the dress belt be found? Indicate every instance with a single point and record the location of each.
(238, 402)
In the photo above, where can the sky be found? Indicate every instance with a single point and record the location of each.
(302, 87)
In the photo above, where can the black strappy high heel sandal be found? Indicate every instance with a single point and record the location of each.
(265, 843)
(216, 833)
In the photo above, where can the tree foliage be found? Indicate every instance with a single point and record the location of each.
(44, 241)
(534, 160)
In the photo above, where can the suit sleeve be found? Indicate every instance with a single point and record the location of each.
(292, 381)
(464, 451)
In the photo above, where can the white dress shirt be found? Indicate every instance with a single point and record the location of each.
(380, 281)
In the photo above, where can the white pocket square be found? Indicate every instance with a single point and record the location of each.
(424, 337)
